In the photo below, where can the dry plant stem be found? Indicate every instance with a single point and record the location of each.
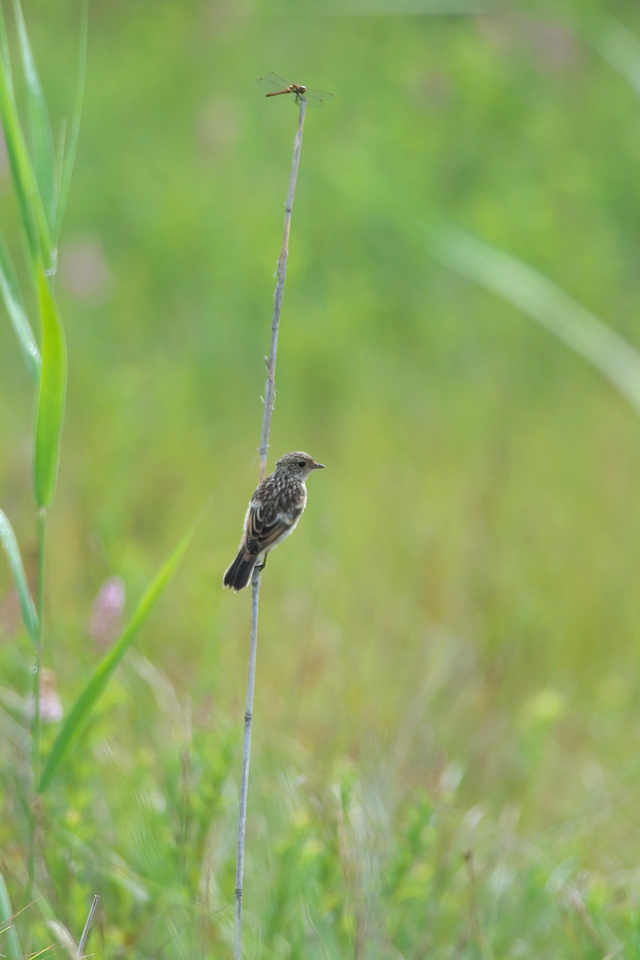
(246, 757)
(269, 400)
(87, 927)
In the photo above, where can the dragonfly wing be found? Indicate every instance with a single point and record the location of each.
(315, 98)
(319, 94)
(273, 81)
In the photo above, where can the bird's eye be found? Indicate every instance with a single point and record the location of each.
(301, 463)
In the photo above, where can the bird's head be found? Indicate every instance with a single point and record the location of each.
(298, 465)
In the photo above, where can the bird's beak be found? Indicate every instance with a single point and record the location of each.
(318, 466)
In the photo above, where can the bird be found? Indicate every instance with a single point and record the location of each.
(273, 514)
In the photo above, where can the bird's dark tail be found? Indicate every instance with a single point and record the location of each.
(239, 573)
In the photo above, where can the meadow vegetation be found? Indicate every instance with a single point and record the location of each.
(446, 754)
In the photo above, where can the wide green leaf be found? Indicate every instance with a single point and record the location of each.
(42, 149)
(51, 397)
(12, 296)
(68, 156)
(86, 703)
(27, 606)
(11, 942)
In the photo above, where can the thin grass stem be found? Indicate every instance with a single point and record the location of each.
(270, 393)
(87, 927)
(246, 757)
(474, 913)
(42, 539)
(269, 401)
(36, 727)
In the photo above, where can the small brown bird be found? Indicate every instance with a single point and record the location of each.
(274, 511)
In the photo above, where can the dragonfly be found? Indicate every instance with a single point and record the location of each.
(275, 85)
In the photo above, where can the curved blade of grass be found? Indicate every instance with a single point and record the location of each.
(85, 705)
(27, 606)
(396, 8)
(505, 275)
(12, 943)
(12, 296)
(58, 929)
(42, 149)
(542, 300)
(5, 59)
(620, 48)
(68, 157)
(32, 213)
(51, 397)
(18, 160)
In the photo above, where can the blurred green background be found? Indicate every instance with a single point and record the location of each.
(448, 646)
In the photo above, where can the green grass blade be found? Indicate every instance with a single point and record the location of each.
(42, 149)
(546, 303)
(620, 48)
(85, 705)
(51, 397)
(12, 296)
(18, 160)
(66, 167)
(5, 59)
(31, 210)
(27, 606)
(58, 929)
(510, 278)
(11, 946)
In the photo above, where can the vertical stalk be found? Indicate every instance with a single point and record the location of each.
(37, 720)
(42, 539)
(269, 400)
(270, 393)
(246, 757)
(87, 928)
